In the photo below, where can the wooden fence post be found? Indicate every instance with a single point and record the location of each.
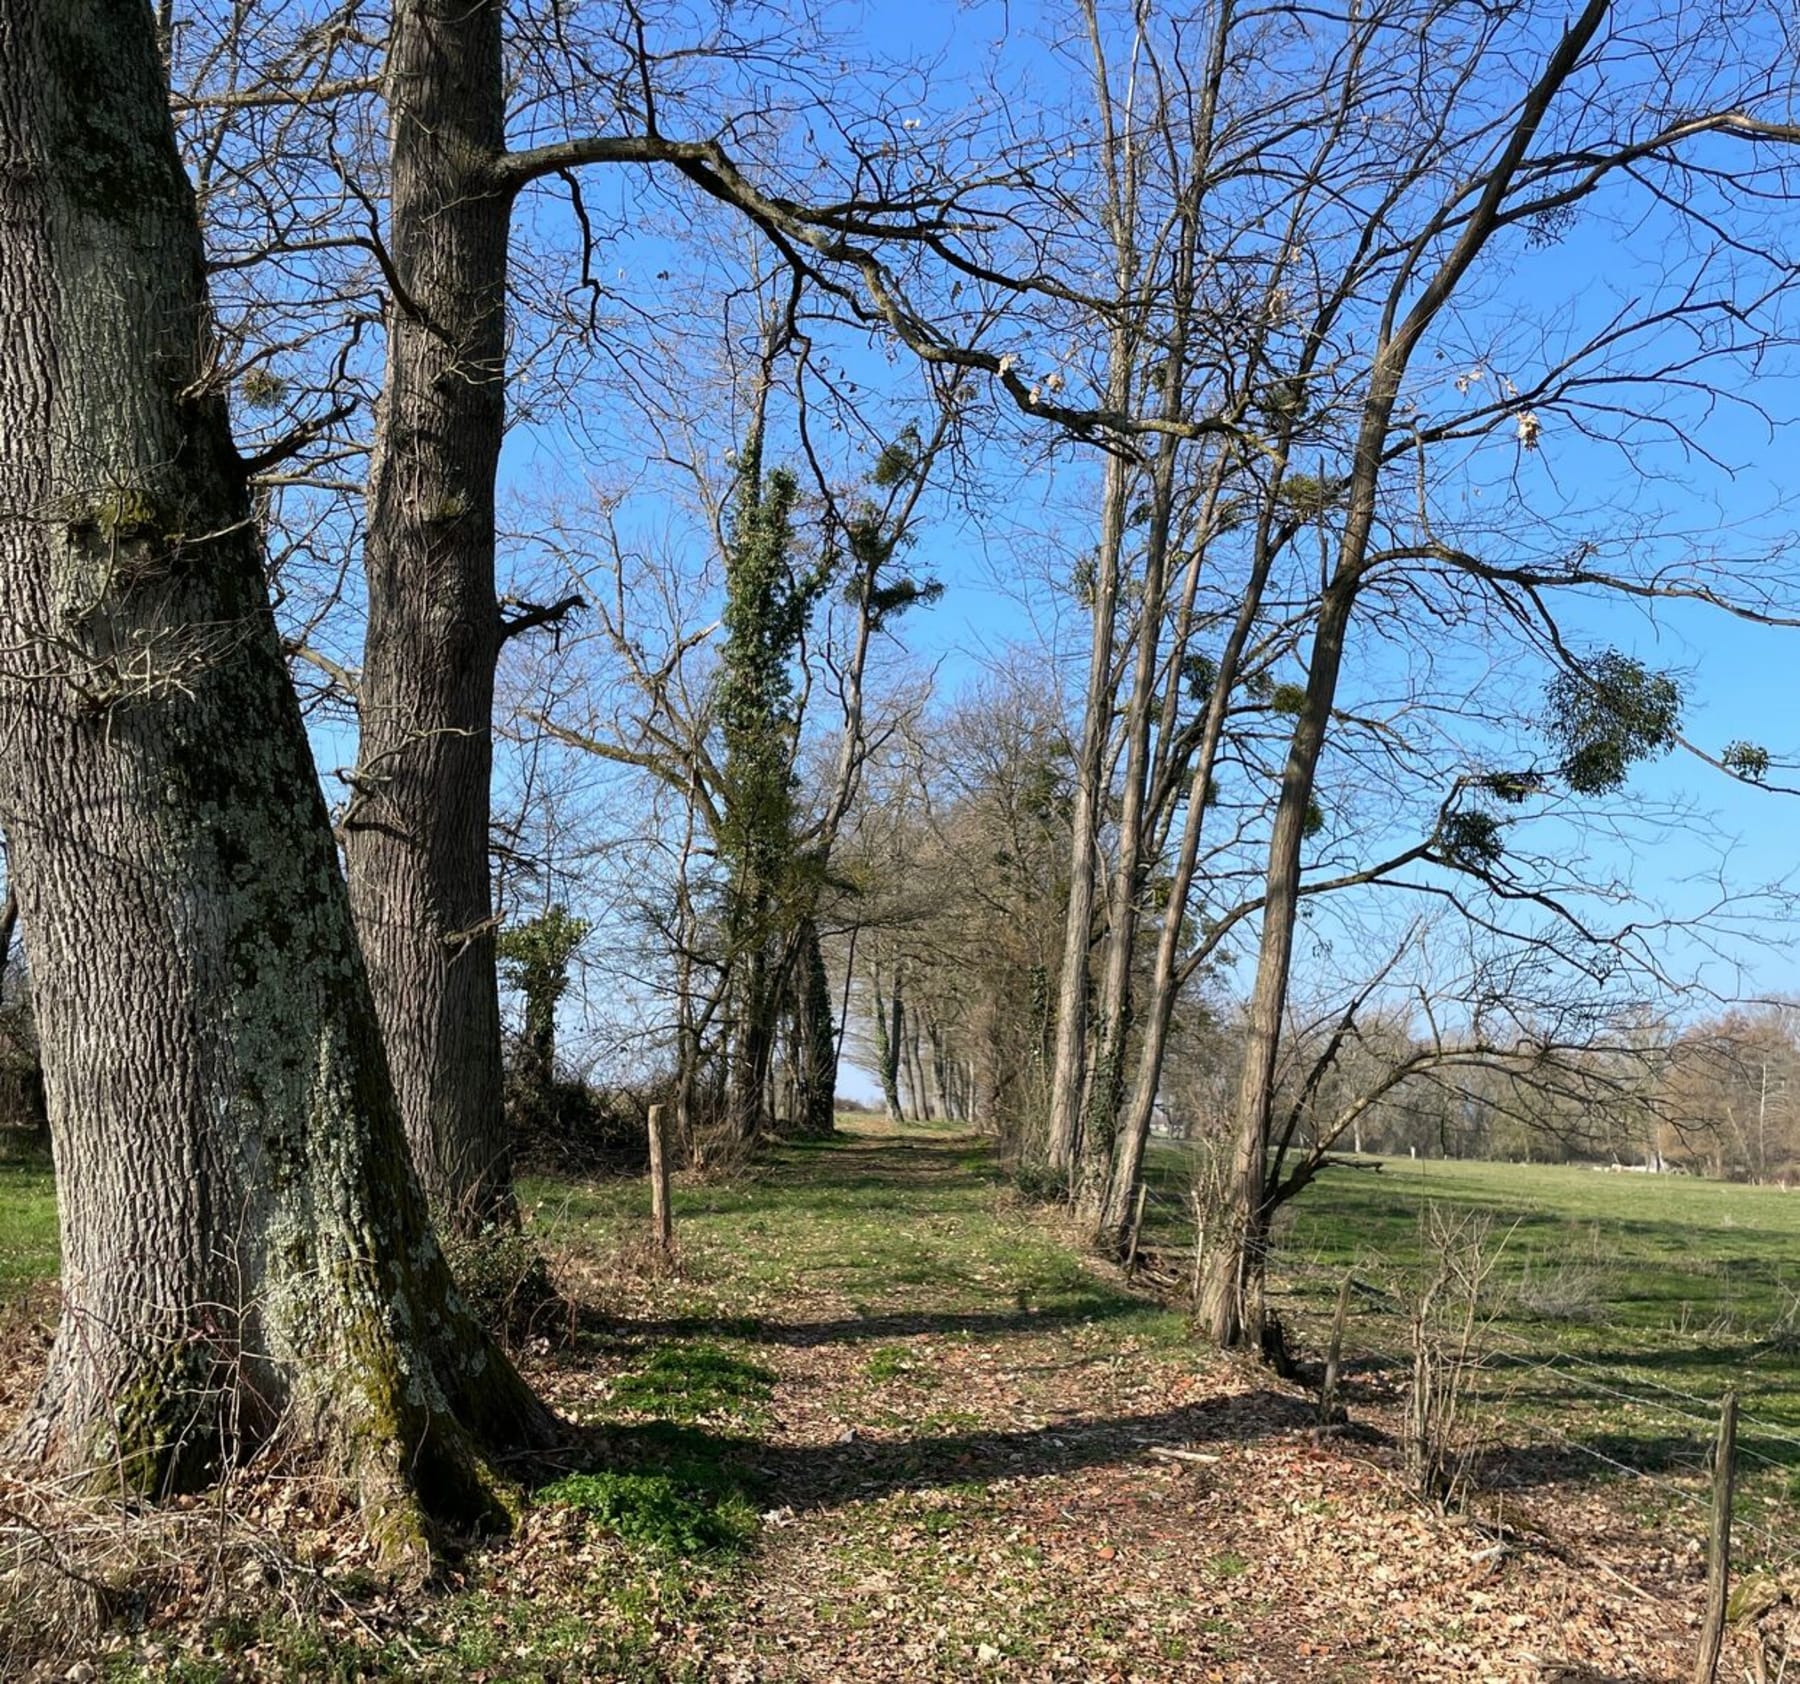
(1137, 1224)
(1199, 1248)
(1718, 1564)
(1334, 1357)
(662, 1220)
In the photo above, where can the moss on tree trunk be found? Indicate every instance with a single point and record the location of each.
(246, 1254)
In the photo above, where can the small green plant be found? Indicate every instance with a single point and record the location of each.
(1747, 760)
(1606, 716)
(260, 389)
(1228, 1564)
(1038, 1182)
(660, 1512)
(503, 1278)
(1471, 839)
(888, 1362)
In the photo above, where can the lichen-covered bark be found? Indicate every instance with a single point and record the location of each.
(416, 832)
(245, 1247)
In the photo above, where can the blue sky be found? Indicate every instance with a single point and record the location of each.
(1740, 680)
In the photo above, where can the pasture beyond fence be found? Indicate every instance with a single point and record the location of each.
(1506, 1322)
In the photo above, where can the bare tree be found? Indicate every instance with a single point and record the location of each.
(1477, 156)
(584, 94)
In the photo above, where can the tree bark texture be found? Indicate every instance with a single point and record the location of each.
(416, 830)
(816, 1043)
(246, 1253)
(755, 1019)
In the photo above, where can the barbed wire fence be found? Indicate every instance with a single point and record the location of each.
(1640, 1433)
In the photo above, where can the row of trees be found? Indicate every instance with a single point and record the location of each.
(1321, 243)
(259, 1077)
(1256, 311)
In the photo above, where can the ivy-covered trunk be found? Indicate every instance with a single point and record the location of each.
(536, 955)
(768, 601)
(890, 1026)
(754, 1021)
(245, 1248)
(416, 832)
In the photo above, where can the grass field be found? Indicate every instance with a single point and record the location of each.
(1622, 1306)
(27, 1225)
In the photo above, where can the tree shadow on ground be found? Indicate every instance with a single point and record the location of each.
(853, 1330)
(807, 1477)
(1737, 1353)
(1593, 1456)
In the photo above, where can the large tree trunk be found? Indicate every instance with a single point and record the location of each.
(755, 1015)
(245, 1249)
(416, 834)
(1231, 1300)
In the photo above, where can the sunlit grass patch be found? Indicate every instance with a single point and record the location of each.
(688, 1381)
(28, 1239)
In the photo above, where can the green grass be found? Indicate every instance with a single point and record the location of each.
(28, 1245)
(690, 1381)
(1621, 1309)
(669, 1512)
(891, 1362)
(868, 1222)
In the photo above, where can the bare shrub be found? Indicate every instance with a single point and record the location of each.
(83, 1576)
(1450, 1313)
(1565, 1292)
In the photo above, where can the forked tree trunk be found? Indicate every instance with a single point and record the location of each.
(416, 832)
(1165, 981)
(915, 1072)
(245, 1249)
(890, 1025)
(1231, 1297)
(1112, 1025)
